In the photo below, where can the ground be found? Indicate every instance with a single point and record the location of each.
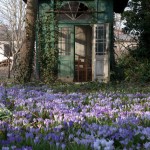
(3, 71)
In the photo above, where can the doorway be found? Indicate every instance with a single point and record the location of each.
(75, 53)
(83, 53)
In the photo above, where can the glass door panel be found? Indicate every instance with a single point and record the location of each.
(83, 50)
(66, 53)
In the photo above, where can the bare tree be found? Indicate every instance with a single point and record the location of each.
(123, 41)
(24, 66)
(12, 15)
(5, 47)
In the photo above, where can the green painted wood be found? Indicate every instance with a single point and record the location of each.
(103, 10)
(107, 8)
(103, 14)
(66, 59)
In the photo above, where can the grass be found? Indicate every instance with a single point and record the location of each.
(89, 92)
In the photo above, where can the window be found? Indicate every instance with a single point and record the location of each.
(100, 40)
(73, 10)
(7, 50)
(64, 43)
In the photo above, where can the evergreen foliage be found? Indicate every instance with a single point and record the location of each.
(48, 47)
(134, 66)
(138, 19)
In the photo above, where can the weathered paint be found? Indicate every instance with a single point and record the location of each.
(102, 15)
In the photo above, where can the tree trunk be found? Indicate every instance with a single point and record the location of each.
(24, 61)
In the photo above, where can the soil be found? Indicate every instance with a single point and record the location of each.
(3, 72)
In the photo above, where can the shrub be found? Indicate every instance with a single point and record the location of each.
(133, 69)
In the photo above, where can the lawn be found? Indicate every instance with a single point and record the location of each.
(90, 116)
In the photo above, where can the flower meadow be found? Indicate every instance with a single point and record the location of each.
(37, 118)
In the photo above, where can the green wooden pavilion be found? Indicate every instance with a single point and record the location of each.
(85, 36)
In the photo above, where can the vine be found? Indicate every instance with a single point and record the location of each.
(48, 47)
(48, 43)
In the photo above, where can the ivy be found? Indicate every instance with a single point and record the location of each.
(47, 38)
(47, 47)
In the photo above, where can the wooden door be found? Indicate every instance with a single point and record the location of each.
(66, 53)
(83, 53)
